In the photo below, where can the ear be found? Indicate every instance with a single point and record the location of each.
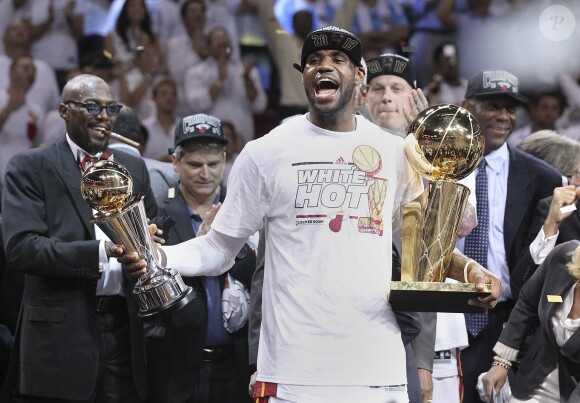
(360, 75)
(174, 161)
(364, 92)
(63, 111)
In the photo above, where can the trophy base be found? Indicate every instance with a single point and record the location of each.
(435, 297)
(159, 300)
(158, 313)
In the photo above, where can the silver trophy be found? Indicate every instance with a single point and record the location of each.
(107, 187)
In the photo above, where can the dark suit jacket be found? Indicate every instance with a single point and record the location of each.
(10, 298)
(49, 237)
(568, 231)
(174, 356)
(532, 310)
(529, 181)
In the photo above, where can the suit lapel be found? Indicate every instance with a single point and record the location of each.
(571, 348)
(516, 201)
(176, 208)
(559, 287)
(558, 282)
(67, 169)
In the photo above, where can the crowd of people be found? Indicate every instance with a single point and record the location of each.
(273, 167)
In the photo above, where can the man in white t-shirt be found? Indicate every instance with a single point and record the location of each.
(327, 187)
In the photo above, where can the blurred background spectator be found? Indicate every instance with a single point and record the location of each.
(543, 110)
(224, 87)
(162, 122)
(447, 86)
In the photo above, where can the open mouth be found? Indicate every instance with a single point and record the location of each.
(326, 88)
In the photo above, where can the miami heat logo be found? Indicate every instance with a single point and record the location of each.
(336, 192)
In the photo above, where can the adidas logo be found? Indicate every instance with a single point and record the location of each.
(340, 161)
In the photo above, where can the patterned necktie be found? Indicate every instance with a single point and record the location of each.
(86, 160)
(476, 243)
(215, 332)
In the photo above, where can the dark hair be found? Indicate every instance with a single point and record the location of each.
(236, 142)
(97, 59)
(144, 135)
(302, 23)
(188, 2)
(123, 23)
(162, 81)
(535, 98)
(439, 50)
(128, 124)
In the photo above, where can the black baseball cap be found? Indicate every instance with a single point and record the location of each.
(199, 126)
(494, 82)
(393, 65)
(99, 60)
(331, 38)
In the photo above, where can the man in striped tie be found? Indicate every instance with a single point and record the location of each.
(509, 184)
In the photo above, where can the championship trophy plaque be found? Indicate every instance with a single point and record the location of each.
(107, 187)
(444, 145)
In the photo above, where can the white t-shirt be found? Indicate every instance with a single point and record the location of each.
(325, 319)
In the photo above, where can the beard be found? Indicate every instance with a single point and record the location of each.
(93, 147)
(344, 98)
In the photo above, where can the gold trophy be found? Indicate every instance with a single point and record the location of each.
(444, 145)
(107, 187)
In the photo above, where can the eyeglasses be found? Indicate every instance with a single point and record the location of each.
(95, 109)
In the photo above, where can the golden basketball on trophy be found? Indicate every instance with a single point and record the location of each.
(107, 187)
(444, 145)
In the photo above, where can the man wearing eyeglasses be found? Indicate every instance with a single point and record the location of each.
(79, 338)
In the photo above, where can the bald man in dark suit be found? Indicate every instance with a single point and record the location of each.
(79, 337)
